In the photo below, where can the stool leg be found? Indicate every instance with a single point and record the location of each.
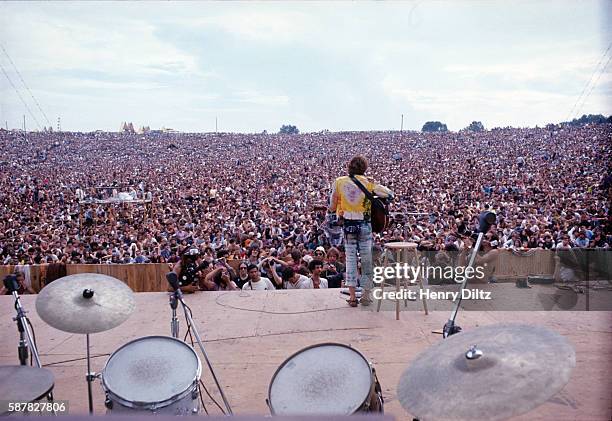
(398, 258)
(416, 253)
(382, 284)
(406, 284)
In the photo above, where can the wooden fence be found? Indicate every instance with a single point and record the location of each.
(149, 277)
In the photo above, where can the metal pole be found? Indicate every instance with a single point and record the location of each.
(199, 341)
(25, 137)
(89, 378)
(26, 328)
(402, 126)
(449, 327)
(216, 127)
(174, 324)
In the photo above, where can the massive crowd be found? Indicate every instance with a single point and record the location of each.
(249, 196)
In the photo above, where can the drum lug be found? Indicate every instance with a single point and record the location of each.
(108, 403)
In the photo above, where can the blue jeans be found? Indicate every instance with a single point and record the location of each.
(359, 243)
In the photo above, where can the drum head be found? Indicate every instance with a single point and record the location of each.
(20, 383)
(151, 369)
(331, 379)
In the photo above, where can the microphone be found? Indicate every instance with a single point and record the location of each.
(486, 219)
(173, 280)
(11, 284)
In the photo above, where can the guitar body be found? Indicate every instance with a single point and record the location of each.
(379, 215)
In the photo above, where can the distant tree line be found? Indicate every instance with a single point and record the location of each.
(434, 126)
(589, 119)
(288, 129)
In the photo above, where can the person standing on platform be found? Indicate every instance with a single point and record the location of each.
(353, 211)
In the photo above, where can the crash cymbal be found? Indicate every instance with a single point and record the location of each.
(521, 367)
(64, 305)
(20, 383)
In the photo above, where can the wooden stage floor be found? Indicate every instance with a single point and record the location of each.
(248, 335)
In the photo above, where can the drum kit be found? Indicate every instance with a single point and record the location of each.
(154, 374)
(490, 373)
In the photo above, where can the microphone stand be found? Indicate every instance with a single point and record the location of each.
(25, 335)
(25, 339)
(175, 298)
(450, 328)
(174, 324)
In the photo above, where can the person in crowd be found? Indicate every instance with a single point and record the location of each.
(188, 270)
(256, 281)
(21, 282)
(316, 267)
(242, 277)
(219, 279)
(294, 280)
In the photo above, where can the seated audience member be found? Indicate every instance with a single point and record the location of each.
(242, 277)
(333, 270)
(294, 280)
(23, 288)
(271, 266)
(316, 267)
(219, 280)
(256, 281)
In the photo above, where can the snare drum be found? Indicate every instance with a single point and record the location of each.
(158, 374)
(325, 379)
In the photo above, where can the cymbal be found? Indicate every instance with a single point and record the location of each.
(20, 383)
(521, 367)
(62, 303)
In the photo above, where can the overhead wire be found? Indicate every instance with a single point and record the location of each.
(25, 85)
(601, 59)
(20, 97)
(586, 97)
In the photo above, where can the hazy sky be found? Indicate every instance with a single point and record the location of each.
(336, 66)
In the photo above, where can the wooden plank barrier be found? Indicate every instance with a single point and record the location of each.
(151, 277)
(143, 277)
(512, 266)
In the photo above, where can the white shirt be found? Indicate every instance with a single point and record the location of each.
(322, 283)
(303, 282)
(262, 284)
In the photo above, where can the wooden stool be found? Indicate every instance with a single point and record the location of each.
(400, 247)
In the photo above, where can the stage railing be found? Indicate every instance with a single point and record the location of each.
(150, 277)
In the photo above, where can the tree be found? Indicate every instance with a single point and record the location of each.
(475, 126)
(589, 119)
(288, 129)
(434, 126)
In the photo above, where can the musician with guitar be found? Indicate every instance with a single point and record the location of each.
(360, 206)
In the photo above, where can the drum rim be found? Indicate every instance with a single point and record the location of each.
(48, 372)
(369, 364)
(157, 404)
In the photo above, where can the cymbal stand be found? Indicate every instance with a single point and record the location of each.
(450, 328)
(191, 327)
(90, 376)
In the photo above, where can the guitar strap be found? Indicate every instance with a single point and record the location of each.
(365, 191)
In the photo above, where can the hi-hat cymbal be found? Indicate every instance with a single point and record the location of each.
(20, 383)
(521, 367)
(63, 303)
